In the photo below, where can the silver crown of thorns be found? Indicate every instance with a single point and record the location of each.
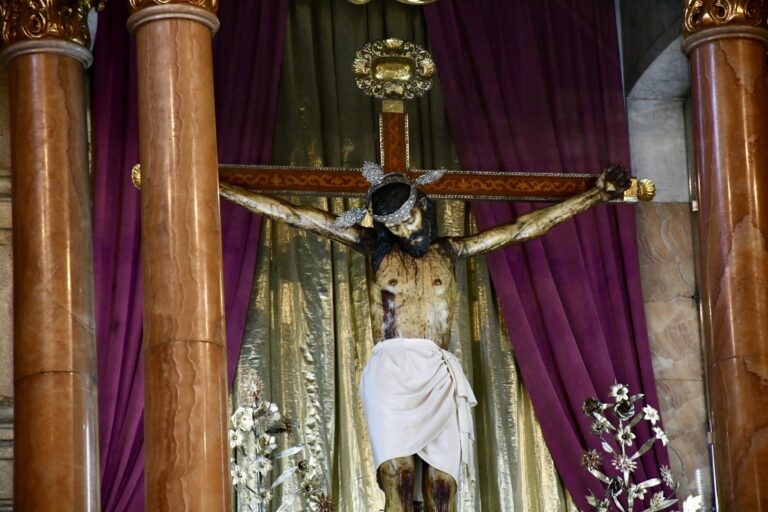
(377, 178)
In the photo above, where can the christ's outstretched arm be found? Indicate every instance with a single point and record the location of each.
(304, 217)
(610, 185)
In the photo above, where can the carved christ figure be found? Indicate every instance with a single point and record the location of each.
(415, 396)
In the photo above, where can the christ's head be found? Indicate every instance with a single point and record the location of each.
(413, 230)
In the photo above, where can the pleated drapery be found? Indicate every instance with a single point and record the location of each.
(250, 43)
(247, 57)
(535, 85)
(309, 330)
(117, 264)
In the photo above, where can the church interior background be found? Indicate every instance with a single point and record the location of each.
(305, 349)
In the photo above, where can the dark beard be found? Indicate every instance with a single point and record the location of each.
(415, 246)
(418, 243)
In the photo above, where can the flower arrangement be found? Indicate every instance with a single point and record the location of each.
(622, 492)
(255, 423)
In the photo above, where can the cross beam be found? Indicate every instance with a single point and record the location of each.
(463, 185)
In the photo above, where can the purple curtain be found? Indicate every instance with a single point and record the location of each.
(248, 54)
(535, 85)
(117, 264)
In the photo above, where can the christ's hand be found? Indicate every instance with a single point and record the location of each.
(612, 182)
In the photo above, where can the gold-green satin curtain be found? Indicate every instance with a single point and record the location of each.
(308, 333)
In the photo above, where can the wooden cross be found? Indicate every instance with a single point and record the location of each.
(394, 70)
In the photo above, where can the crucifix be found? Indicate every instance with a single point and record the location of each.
(416, 399)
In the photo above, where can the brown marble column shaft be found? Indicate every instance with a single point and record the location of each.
(187, 455)
(729, 88)
(56, 443)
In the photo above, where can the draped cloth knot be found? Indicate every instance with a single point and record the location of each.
(417, 401)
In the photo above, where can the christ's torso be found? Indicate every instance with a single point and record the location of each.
(413, 297)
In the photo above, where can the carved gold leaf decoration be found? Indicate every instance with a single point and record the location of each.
(30, 20)
(392, 68)
(208, 5)
(639, 190)
(136, 176)
(704, 14)
(646, 190)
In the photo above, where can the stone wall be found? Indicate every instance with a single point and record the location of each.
(647, 27)
(660, 141)
(669, 291)
(6, 320)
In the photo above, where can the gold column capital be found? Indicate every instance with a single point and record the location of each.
(35, 20)
(708, 20)
(209, 5)
(707, 14)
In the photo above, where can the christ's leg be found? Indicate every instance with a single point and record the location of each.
(439, 489)
(397, 477)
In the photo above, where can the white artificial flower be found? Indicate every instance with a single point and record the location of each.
(243, 418)
(264, 407)
(262, 497)
(619, 392)
(693, 504)
(266, 444)
(263, 465)
(666, 476)
(650, 414)
(624, 464)
(235, 438)
(625, 436)
(239, 475)
(599, 426)
(656, 501)
(636, 492)
(603, 506)
(252, 387)
(661, 435)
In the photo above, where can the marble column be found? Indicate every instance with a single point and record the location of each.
(187, 455)
(726, 42)
(56, 449)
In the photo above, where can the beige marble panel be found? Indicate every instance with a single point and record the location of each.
(5, 125)
(6, 299)
(683, 410)
(5, 214)
(669, 286)
(666, 251)
(5, 186)
(673, 327)
(6, 273)
(6, 315)
(6, 454)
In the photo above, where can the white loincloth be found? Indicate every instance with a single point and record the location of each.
(417, 400)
